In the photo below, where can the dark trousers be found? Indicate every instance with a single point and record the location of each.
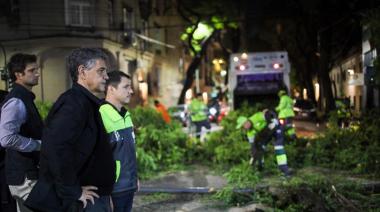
(123, 201)
(102, 204)
(199, 125)
(257, 152)
(7, 203)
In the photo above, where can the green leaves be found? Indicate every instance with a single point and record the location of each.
(160, 146)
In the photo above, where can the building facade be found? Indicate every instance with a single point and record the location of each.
(132, 33)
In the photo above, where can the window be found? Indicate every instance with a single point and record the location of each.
(79, 13)
(128, 19)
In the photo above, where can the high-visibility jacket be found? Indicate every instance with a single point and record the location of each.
(122, 138)
(285, 107)
(258, 123)
(342, 109)
(164, 113)
(197, 110)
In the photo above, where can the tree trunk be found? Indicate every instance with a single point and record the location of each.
(323, 73)
(190, 72)
(189, 78)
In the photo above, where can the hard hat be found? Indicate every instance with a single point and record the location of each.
(240, 121)
(281, 92)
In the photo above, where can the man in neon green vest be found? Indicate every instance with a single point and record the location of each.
(286, 113)
(260, 129)
(198, 113)
(342, 112)
(118, 124)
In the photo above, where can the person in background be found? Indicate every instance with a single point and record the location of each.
(118, 123)
(261, 128)
(7, 203)
(21, 128)
(162, 110)
(286, 113)
(343, 113)
(77, 170)
(198, 114)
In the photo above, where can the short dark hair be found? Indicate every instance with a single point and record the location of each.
(114, 78)
(18, 62)
(156, 102)
(83, 56)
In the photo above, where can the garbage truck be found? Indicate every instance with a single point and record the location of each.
(257, 77)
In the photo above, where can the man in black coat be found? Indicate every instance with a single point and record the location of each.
(77, 167)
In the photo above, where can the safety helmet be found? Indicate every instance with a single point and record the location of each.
(240, 121)
(281, 92)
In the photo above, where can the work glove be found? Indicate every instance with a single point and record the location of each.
(274, 123)
(251, 140)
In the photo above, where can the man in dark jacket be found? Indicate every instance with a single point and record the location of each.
(21, 128)
(76, 157)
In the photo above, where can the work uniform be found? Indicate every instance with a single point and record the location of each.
(260, 134)
(286, 113)
(119, 127)
(198, 116)
(342, 112)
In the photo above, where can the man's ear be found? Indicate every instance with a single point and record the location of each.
(110, 88)
(81, 72)
(18, 75)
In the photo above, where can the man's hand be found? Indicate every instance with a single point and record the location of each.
(88, 193)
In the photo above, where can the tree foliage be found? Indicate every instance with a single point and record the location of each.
(207, 20)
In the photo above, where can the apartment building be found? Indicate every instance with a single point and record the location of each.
(134, 33)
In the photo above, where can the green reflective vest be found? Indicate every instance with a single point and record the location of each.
(258, 123)
(285, 107)
(342, 110)
(197, 109)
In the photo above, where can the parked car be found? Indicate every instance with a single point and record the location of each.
(179, 112)
(304, 109)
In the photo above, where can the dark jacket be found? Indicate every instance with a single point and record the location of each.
(75, 152)
(19, 165)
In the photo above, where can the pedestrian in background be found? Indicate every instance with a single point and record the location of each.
(286, 113)
(198, 113)
(118, 123)
(160, 108)
(77, 167)
(21, 128)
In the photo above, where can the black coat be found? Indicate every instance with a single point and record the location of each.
(75, 152)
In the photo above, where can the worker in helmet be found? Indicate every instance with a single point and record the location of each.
(286, 113)
(261, 128)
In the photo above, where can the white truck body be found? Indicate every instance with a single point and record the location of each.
(257, 74)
